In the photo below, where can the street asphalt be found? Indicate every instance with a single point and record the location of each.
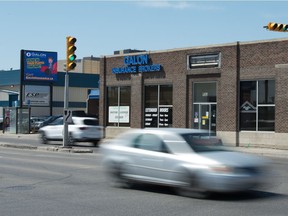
(269, 152)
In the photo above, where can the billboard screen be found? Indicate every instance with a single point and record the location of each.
(36, 95)
(39, 65)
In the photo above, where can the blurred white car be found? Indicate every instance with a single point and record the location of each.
(189, 160)
(83, 129)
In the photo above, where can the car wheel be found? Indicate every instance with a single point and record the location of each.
(96, 143)
(43, 138)
(116, 178)
(191, 187)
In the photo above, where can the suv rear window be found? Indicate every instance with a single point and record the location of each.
(90, 122)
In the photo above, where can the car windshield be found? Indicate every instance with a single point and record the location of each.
(203, 142)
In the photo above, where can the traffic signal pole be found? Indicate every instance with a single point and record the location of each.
(70, 65)
(66, 101)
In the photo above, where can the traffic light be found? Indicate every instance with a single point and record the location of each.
(272, 26)
(70, 53)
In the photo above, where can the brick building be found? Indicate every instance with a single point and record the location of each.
(237, 90)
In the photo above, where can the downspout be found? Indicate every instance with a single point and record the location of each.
(238, 54)
(103, 92)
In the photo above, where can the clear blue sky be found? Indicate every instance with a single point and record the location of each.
(101, 27)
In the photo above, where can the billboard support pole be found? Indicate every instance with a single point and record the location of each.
(21, 78)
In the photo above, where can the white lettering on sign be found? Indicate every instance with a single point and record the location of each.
(150, 109)
(118, 114)
(164, 110)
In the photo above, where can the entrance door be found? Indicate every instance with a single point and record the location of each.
(205, 117)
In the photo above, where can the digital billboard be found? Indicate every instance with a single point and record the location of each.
(39, 65)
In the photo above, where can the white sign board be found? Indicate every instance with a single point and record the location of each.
(118, 114)
(36, 95)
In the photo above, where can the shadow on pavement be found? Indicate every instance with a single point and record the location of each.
(240, 196)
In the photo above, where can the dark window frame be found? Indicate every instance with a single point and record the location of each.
(118, 90)
(158, 103)
(250, 105)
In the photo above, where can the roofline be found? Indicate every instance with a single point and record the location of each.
(197, 47)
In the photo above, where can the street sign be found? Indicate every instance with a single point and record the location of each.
(68, 116)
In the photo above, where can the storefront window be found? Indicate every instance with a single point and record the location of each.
(248, 93)
(125, 97)
(165, 95)
(248, 121)
(266, 90)
(151, 96)
(158, 106)
(257, 106)
(266, 118)
(112, 96)
(119, 102)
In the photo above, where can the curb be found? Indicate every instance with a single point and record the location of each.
(49, 148)
(18, 146)
(256, 151)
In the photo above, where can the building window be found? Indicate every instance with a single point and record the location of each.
(204, 92)
(119, 102)
(257, 105)
(158, 106)
(204, 61)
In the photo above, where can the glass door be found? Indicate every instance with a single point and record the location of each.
(213, 118)
(204, 106)
(204, 117)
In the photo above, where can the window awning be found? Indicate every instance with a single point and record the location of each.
(94, 94)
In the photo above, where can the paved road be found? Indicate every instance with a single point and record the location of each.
(43, 183)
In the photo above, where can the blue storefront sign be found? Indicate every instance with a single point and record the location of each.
(137, 64)
(39, 65)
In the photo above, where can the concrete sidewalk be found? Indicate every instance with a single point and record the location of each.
(269, 152)
(35, 136)
(22, 136)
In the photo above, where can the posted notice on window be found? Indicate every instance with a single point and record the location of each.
(118, 114)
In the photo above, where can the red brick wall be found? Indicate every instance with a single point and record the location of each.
(253, 61)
